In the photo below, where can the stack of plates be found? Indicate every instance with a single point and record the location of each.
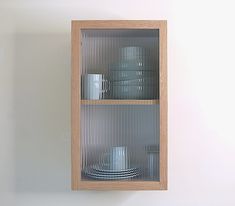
(134, 76)
(103, 172)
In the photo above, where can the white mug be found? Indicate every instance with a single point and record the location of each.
(118, 158)
(92, 86)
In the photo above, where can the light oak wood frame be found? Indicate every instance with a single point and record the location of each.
(77, 26)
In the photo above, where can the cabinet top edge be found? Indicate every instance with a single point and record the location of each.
(119, 23)
(122, 20)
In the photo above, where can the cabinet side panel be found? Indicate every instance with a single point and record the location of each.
(76, 99)
(163, 105)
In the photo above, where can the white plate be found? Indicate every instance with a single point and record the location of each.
(109, 177)
(134, 92)
(111, 174)
(150, 81)
(93, 173)
(105, 168)
(133, 65)
(133, 52)
(90, 172)
(128, 75)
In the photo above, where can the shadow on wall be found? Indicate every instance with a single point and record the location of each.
(42, 118)
(42, 112)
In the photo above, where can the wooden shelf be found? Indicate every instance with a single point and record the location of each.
(120, 102)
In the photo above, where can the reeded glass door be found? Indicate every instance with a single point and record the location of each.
(120, 140)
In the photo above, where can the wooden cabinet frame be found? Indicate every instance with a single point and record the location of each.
(77, 26)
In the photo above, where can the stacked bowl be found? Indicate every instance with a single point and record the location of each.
(133, 77)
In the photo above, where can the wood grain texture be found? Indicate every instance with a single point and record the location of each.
(77, 183)
(119, 102)
(120, 185)
(119, 24)
(163, 105)
(76, 101)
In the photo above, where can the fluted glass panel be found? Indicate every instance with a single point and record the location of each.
(120, 141)
(129, 129)
(126, 64)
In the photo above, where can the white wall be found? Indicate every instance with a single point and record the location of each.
(35, 101)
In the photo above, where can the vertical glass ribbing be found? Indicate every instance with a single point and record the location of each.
(120, 142)
(112, 126)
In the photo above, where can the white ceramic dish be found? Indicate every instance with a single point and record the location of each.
(110, 177)
(137, 65)
(128, 75)
(134, 92)
(110, 174)
(89, 172)
(106, 168)
(93, 86)
(133, 52)
(150, 81)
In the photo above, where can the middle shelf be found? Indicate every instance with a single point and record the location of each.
(120, 102)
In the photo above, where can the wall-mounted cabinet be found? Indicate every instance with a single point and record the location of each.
(119, 105)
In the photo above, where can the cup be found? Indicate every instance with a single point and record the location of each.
(118, 158)
(153, 161)
(92, 86)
